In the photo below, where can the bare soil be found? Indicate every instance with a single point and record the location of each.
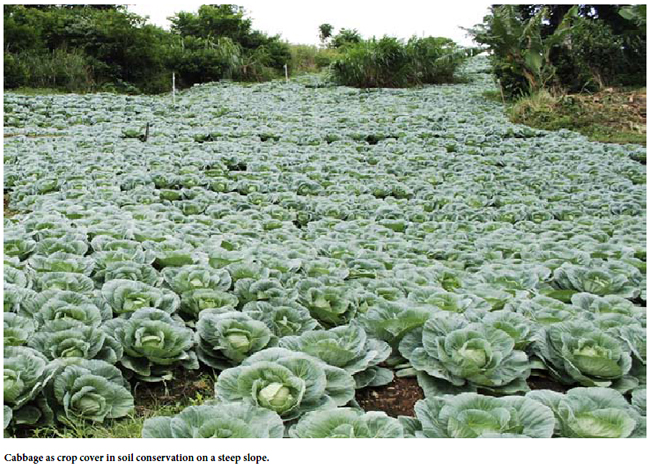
(185, 389)
(396, 398)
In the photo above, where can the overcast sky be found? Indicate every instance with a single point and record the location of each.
(298, 21)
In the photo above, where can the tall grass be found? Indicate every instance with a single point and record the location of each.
(390, 63)
(310, 59)
(373, 64)
(71, 70)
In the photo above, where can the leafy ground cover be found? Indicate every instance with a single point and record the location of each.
(323, 252)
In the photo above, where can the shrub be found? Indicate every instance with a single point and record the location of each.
(389, 63)
(555, 47)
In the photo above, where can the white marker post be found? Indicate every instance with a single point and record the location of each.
(173, 88)
(286, 73)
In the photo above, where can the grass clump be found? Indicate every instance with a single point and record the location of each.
(310, 59)
(390, 63)
(610, 116)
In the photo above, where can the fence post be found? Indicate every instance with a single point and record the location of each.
(173, 88)
(286, 73)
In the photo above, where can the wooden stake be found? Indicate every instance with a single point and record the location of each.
(173, 88)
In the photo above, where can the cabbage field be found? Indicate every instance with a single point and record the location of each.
(306, 242)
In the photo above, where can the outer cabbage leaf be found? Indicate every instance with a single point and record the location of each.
(346, 423)
(346, 347)
(471, 415)
(222, 420)
(590, 412)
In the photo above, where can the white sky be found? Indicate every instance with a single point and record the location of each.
(298, 21)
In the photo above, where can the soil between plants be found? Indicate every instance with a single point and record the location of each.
(396, 398)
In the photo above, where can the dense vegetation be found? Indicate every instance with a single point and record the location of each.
(564, 48)
(89, 48)
(303, 242)
(577, 67)
(391, 63)
(86, 48)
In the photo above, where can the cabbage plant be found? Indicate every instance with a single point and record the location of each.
(391, 321)
(17, 329)
(62, 262)
(596, 280)
(192, 277)
(127, 296)
(346, 347)
(329, 305)
(52, 306)
(129, 270)
(225, 339)
(59, 340)
(26, 372)
(89, 390)
(286, 382)
(154, 344)
(221, 420)
(346, 423)
(452, 349)
(66, 281)
(195, 301)
(471, 415)
(282, 316)
(591, 413)
(577, 352)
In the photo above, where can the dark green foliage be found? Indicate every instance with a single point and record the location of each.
(105, 47)
(306, 58)
(81, 48)
(433, 59)
(372, 64)
(390, 63)
(565, 48)
(196, 60)
(325, 32)
(213, 21)
(62, 69)
(346, 37)
(218, 42)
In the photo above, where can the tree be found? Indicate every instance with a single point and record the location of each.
(213, 21)
(325, 31)
(346, 37)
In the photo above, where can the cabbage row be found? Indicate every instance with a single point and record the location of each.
(305, 241)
